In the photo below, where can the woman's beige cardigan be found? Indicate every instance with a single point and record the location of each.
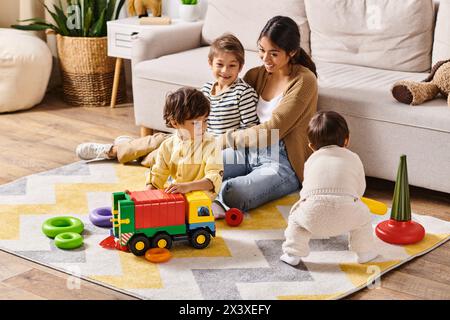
(290, 117)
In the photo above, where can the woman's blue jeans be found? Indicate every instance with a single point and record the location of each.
(253, 177)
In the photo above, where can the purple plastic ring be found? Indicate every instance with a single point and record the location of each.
(101, 217)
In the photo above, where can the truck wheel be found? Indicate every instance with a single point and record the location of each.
(162, 240)
(139, 245)
(200, 239)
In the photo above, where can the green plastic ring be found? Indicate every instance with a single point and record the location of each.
(68, 240)
(54, 226)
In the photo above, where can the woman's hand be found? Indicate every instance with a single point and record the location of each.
(183, 187)
(149, 187)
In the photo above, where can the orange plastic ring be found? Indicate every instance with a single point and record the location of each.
(157, 255)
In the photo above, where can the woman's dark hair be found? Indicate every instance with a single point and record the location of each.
(284, 33)
(327, 128)
(184, 104)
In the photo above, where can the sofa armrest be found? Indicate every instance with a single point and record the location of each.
(164, 40)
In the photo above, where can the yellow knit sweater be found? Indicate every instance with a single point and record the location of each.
(290, 117)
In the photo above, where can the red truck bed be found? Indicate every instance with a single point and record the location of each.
(155, 208)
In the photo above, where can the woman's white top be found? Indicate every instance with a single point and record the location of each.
(264, 108)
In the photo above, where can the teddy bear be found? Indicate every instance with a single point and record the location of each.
(414, 93)
(140, 7)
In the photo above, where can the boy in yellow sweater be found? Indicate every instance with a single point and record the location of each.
(191, 158)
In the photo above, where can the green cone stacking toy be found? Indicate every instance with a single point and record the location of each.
(399, 229)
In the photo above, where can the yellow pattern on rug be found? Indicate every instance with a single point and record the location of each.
(69, 198)
(138, 273)
(363, 274)
(261, 234)
(429, 241)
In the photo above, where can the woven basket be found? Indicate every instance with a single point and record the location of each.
(87, 71)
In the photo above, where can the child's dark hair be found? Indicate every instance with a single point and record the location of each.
(184, 104)
(227, 43)
(327, 128)
(284, 33)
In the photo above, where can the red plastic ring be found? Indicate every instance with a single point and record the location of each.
(234, 217)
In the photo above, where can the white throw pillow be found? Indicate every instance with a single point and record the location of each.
(246, 18)
(386, 34)
(441, 45)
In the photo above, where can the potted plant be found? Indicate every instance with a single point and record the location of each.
(189, 10)
(80, 27)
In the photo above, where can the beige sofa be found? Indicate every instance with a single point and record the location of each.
(361, 48)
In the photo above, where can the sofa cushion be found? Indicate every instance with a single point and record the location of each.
(365, 93)
(188, 68)
(246, 19)
(353, 90)
(441, 45)
(386, 34)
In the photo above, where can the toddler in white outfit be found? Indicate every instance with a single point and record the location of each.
(330, 200)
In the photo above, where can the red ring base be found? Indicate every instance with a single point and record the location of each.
(400, 232)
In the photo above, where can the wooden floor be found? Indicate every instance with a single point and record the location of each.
(45, 137)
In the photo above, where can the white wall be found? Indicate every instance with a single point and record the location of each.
(12, 10)
(170, 7)
(9, 12)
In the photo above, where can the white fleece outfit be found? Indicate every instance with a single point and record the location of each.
(330, 204)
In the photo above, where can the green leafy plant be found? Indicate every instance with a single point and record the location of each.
(82, 18)
(189, 1)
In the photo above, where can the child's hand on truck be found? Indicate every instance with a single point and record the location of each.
(182, 187)
(185, 187)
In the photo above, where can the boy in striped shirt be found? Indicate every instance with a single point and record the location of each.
(233, 101)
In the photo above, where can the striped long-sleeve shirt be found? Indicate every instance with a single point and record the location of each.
(232, 109)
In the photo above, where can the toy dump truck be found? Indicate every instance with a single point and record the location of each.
(153, 218)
